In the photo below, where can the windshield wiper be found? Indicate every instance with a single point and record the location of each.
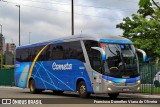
(111, 51)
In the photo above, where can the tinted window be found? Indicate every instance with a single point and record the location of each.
(67, 50)
(88, 44)
(93, 55)
(27, 54)
(56, 52)
(19, 55)
(22, 55)
(95, 60)
(42, 56)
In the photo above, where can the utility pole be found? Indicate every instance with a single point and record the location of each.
(29, 37)
(72, 20)
(19, 21)
(1, 28)
(19, 25)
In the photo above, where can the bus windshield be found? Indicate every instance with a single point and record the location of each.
(121, 60)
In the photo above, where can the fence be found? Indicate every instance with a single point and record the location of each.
(150, 78)
(6, 77)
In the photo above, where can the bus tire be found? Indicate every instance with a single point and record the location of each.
(57, 92)
(32, 87)
(82, 90)
(156, 83)
(113, 95)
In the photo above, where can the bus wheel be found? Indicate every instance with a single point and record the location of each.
(82, 90)
(156, 83)
(57, 92)
(33, 88)
(113, 95)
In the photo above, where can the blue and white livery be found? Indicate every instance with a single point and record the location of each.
(87, 64)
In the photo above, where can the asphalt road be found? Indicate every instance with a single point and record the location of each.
(14, 92)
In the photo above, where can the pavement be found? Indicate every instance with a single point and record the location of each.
(15, 92)
(8, 87)
(140, 95)
(131, 95)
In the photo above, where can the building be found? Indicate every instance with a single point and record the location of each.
(10, 47)
(2, 44)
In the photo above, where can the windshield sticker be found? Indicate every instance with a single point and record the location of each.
(122, 46)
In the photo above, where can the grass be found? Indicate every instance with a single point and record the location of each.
(8, 66)
(155, 90)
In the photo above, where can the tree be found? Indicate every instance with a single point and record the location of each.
(143, 28)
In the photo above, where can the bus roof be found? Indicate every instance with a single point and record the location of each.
(100, 38)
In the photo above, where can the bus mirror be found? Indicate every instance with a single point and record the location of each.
(101, 51)
(143, 53)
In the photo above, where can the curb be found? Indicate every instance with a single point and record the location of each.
(9, 87)
(139, 95)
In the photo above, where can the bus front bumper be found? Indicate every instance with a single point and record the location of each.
(111, 87)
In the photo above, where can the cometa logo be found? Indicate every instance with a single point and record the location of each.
(66, 66)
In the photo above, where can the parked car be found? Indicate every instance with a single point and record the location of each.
(156, 80)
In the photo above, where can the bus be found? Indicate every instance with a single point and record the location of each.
(86, 64)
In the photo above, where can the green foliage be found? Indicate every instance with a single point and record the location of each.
(143, 28)
(145, 8)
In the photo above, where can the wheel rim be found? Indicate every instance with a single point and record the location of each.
(82, 89)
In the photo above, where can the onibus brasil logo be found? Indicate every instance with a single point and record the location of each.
(66, 66)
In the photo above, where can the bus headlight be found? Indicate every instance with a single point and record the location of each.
(138, 81)
(109, 89)
(110, 82)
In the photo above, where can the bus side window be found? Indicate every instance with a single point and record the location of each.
(35, 51)
(55, 52)
(76, 51)
(66, 50)
(45, 55)
(96, 60)
(18, 55)
(93, 55)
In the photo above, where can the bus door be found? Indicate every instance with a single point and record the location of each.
(96, 63)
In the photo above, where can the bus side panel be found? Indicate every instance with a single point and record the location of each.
(42, 75)
(83, 74)
(51, 78)
(60, 75)
(21, 73)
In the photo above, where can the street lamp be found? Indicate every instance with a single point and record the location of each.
(1, 28)
(72, 15)
(19, 25)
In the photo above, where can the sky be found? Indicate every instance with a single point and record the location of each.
(50, 19)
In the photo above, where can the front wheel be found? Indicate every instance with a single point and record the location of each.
(82, 90)
(113, 95)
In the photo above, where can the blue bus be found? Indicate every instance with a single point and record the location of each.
(87, 64)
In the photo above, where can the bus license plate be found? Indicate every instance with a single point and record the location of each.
(126, 89)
